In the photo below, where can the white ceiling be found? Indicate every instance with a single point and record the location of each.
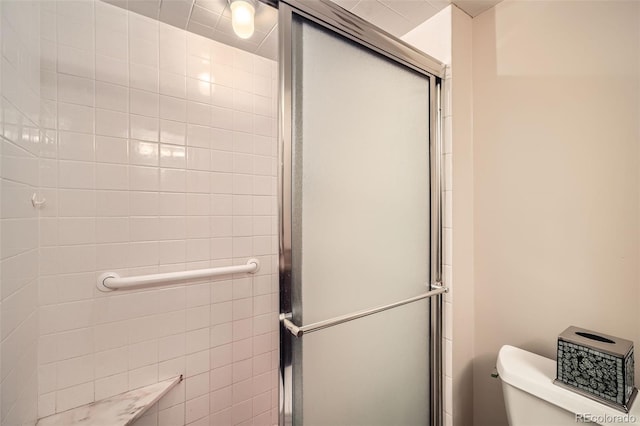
(475, 7)
(398, 17)
(212, 18)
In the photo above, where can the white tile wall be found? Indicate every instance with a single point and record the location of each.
(165, 160)
(20, 142)
(448, 249)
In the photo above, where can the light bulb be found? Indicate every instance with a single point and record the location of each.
(242, 13)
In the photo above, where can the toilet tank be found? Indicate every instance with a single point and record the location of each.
(532, 399)
(525, 410)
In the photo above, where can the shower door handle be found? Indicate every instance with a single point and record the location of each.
(298, 331)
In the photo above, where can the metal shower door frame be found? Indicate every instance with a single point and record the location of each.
(336, 19)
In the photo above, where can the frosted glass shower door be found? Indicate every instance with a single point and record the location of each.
(360, 233)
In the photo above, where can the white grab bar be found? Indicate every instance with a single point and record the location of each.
(110, 281)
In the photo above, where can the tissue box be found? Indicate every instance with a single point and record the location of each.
(597, 366)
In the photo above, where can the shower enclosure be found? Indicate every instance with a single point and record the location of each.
(141, 189)
(360, 223)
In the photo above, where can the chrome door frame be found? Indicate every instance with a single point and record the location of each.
(335, 18)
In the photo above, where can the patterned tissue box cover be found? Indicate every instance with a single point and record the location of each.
(597, 366)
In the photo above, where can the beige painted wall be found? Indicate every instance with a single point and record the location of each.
(555, 165)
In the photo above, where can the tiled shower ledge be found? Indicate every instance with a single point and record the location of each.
(119, 410)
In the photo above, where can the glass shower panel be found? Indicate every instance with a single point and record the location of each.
(369, 372)
(360, 232)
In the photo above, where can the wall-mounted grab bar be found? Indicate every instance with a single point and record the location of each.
(300, 330)
(110, 281)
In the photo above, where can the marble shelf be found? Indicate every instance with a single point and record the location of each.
(119, 410)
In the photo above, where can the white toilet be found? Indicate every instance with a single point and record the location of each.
(532, 399)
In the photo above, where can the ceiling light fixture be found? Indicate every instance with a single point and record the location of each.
(242, 17)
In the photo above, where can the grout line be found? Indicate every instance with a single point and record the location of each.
(193, 4)
(95, 125)
(274, 28)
